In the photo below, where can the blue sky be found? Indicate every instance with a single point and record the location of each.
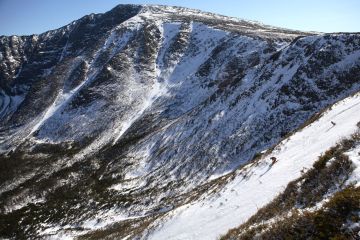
(35, 16)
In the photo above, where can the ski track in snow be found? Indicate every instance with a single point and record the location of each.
(241, 198)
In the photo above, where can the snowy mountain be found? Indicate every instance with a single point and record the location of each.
(257, 183)
(153, 122)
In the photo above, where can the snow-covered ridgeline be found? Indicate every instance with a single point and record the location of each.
(240, 199)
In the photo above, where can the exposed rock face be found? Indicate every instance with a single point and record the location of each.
(126, 111)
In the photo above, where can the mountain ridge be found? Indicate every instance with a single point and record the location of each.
(151, 7)
(135, 112)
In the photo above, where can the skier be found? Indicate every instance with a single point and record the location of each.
(273, 160)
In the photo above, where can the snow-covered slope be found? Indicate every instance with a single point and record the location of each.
(136, 109)
(257, 184)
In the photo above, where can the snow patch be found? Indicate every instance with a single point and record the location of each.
(241, 198)
(354, 156)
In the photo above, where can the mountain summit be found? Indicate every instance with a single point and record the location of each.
(114, 124)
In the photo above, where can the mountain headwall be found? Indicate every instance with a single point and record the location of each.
(129, 111)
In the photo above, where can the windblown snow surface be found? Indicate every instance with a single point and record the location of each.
(213, 216)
